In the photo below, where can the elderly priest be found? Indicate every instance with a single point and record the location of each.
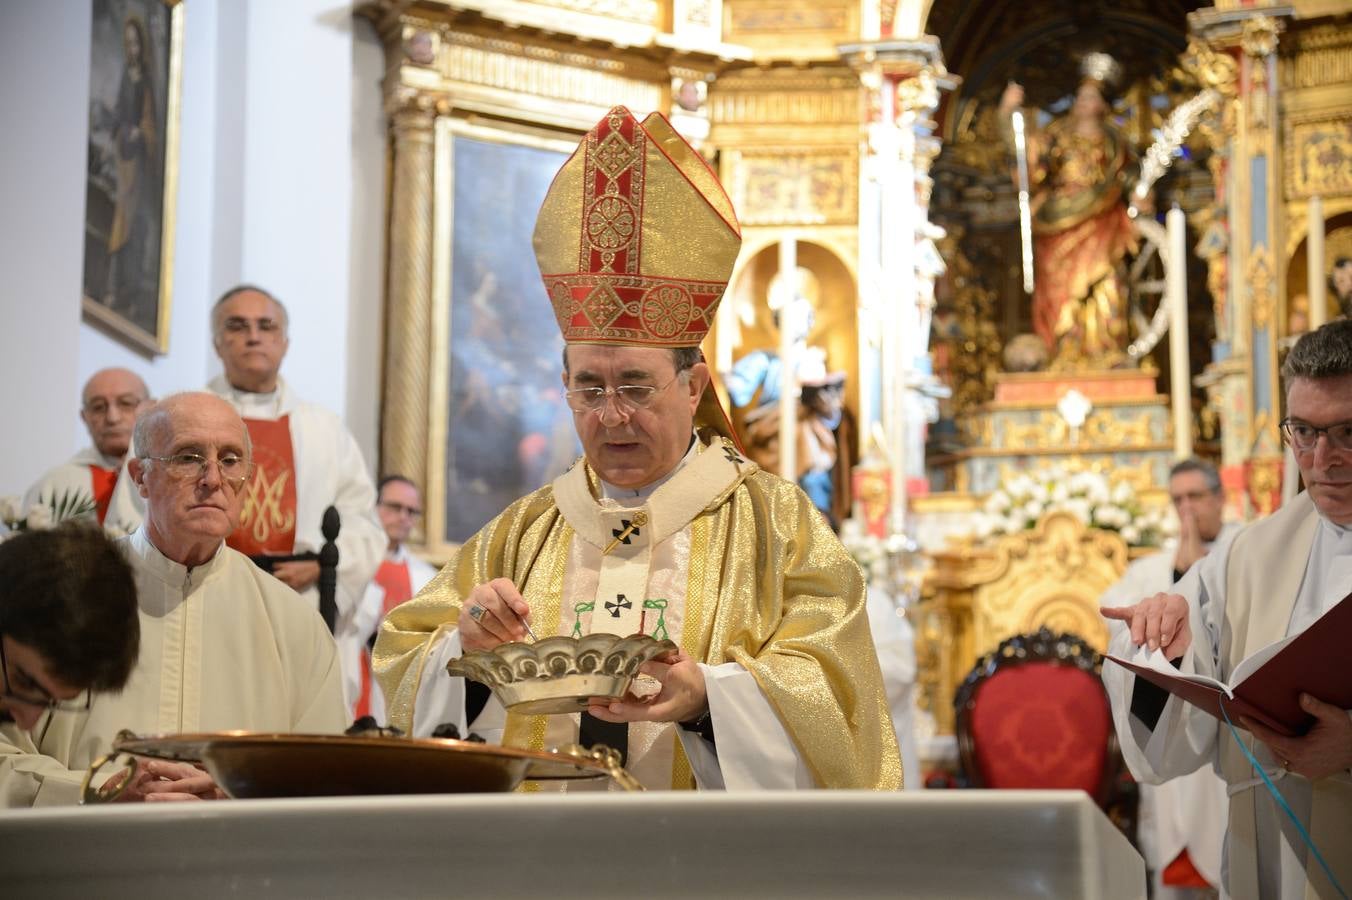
(776, 683)
(1275, 579)
(223, 644)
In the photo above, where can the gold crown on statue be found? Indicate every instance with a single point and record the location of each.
(1100, 67)
(636, 238)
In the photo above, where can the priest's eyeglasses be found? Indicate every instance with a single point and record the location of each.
(234, 469)
(1303, 436)
(627, 396)
(77, 704)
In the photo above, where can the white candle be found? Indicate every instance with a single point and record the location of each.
(1314, 255)
(1176, 295)
(788, 380)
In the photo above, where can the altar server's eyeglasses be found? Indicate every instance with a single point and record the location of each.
(632, 396)
(234, 469)
(77, 704)
(1303, 436)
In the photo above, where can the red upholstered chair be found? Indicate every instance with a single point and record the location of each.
(1033, 714)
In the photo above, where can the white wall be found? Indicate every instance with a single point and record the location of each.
(281, 183)
(45, 47)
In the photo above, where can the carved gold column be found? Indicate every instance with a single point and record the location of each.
(1232, 47)
(408, 326)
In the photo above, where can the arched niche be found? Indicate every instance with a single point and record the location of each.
(1337, 245)
(835, 323)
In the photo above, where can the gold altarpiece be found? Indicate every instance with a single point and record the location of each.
(793, 99)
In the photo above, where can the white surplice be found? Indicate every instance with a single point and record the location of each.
(358, 629)
(894, 639)
(223, 646)
(1188, 812)
(1186, 738)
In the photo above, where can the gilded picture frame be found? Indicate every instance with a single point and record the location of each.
(136, 62)
(499, 427)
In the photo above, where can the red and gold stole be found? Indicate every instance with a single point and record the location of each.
(268, 521)
(102, 481)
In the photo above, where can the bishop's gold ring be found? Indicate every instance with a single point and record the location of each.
(476, 612)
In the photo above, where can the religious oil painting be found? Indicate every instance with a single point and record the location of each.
(132, 169)
(509, 430)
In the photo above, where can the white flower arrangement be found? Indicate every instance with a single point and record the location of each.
(1021, 501)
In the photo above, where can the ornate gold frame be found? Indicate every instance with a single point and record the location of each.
(136, 336)
(443, 192)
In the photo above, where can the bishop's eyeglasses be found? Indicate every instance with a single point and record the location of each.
(1303, 436)
(627, 396)
(234, 469)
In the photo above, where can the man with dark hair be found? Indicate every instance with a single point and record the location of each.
(1273, 580)
(401, 575)
(224, 646)
(68, 623)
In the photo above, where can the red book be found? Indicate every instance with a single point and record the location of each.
(1266, 686)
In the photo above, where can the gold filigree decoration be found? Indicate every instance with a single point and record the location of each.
(1102, 428)
(1212, 68)
(1319, 158)
(796, 188)
(972, 338)
(1265, 484)
(1259, 276)
(1059, 567)
(1259, 38)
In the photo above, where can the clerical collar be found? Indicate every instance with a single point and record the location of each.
(176, 575)
(626, 496)
(254, 406)
(250, 405)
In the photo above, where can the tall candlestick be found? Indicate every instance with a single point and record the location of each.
(788, 378)
(1176, 295)
(1314, 255)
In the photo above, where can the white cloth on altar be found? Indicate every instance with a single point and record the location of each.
(1190, 811)
(356, 631)
(1186, 738)
(73, 476)
(223, 646)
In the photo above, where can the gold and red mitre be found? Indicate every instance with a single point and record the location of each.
(636, 239)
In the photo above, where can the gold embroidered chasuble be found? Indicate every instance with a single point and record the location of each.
(750, 572)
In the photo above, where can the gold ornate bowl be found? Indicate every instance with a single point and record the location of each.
(559, 674)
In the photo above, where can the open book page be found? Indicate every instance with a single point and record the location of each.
(1155, 660)
(1266, 686)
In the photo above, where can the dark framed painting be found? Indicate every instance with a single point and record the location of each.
(508, 429)
(132, 169)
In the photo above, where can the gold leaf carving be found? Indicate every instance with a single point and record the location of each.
(796, 188)
(1319, 158)
(1260, 283)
